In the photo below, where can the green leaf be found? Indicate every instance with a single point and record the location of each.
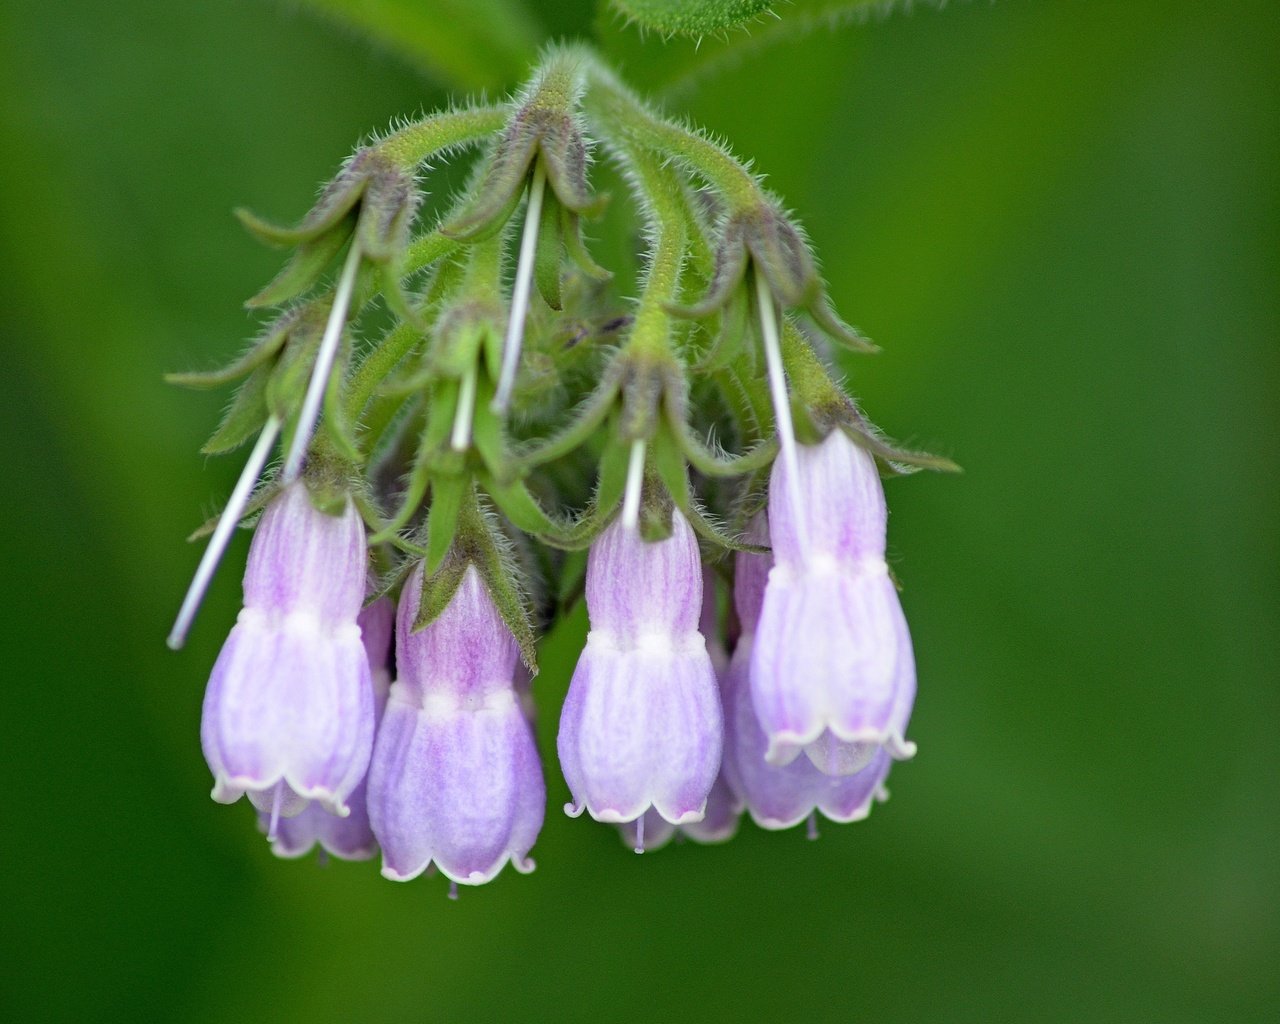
(693, 18)
(466, 44)
(686, 60)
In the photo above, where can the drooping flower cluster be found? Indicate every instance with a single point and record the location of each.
(460, 463)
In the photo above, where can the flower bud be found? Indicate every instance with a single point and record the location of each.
(780, 796)
(288, 714)
(349, 838)
(455, 777)
(641, 725)
(832, 672)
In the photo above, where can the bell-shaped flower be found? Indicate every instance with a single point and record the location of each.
(832, 672)
(455, 778)
(651, 831)
(641, 725)
(780, 796)
(288, 714)
(349, 838)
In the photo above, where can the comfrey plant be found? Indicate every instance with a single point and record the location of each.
(465, 408)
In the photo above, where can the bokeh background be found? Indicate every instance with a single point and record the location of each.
(1059, 219)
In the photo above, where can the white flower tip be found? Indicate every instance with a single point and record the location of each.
(393, 875)
(573, 810)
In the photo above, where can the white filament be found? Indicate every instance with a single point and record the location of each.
(635, 477)
(520, 293)
(781, 401)
(231, 515)
(461, 439)
(324, 365)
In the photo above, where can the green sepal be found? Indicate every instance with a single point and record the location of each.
(710, 463)
(489, 212)
(447, 491)
(260, 499)
(709, 528)
(522, 508)
(335, 423)
(291, 374)
(388, 207)
(245, 416)
(391, 276)
(542, 135)
(488, 436)
(268, 344)
(582, 424)
(549, 254)
(438, 588)
(782, 253)
(611, 481)
(305, 267)
(478, 542)
(575, 247)
(415, 491)
(667, 461)
(645, 380)
(441, 407)
(727, 276)
(462, 331)
(825, 319)
(656, 516)
(390, 582)
(820, 405)
(728, 339)
(898, 461)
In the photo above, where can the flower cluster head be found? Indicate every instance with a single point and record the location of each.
(508, 448)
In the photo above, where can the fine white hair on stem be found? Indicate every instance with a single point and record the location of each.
(231, 515)
(778, 392)
(461, 438)
(325, 356)
(631, 496)
(520, 292)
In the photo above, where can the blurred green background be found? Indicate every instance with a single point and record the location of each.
(1058, 218)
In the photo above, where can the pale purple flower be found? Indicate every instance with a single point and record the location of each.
(288, 714)
(349, 838)
(651, 831)
(455, 778)
(780, 796)
(641, 725)
(832, 671)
